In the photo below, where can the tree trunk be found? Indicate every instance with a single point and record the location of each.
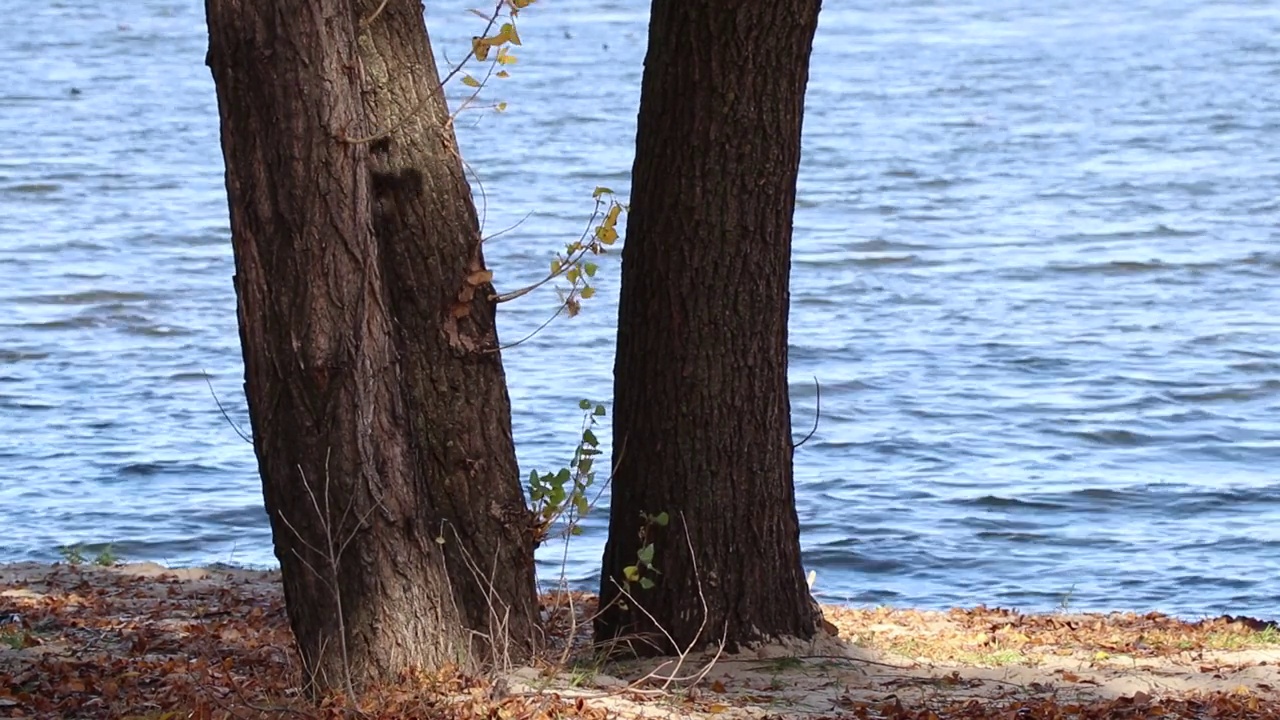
(376, 394)
(702, 428)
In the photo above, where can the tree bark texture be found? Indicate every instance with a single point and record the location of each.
(377, 397)
(702, 427)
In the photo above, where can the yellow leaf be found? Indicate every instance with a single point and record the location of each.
(717, 708)
(587, 292)
(480, 277)
(555, 266)
(470, 81)
(601, 191)
(606, 235)
(612, 218)
(572, 275)
(479, 48)
(505, 57)
(503, 74)
(502, 107)
(521, 4)
(509, 32)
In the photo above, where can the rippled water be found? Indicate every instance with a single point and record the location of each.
(1035, 272)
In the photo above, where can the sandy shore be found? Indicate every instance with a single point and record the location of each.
(141, 640)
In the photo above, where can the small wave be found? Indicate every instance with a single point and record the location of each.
(1014, 537)
(32, 188)
(17, 356)
(86, 297)
(1113, 267)
(887, 260)
(1115, 437)
(882, 245)
(1160, 230)
(1231, 394)
(999, 502)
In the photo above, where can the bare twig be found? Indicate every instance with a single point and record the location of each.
(422, 105)
(223, 410)
(817, 412)
(373, 16)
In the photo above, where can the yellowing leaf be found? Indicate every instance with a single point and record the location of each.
(480, 277)
(612, 218)
(521, 4)
(508, 31)
(587, 292)
(572, 275)
(502, 107)
(601, 191)
(470, 81)
(505, 57)
(717, 708)
(479, 48)
(606, 235)
(555, 266)
(503, 74)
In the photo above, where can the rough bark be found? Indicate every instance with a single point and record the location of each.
(377, 399)
(702, 426)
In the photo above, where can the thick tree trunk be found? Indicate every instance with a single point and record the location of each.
(377, 399)
(702, 426)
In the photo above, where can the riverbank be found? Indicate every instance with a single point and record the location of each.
(144, 641)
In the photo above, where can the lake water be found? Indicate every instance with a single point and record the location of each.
(1036, 272)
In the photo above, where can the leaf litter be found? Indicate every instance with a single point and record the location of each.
(144, 641)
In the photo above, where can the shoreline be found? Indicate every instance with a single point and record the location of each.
(91, 641)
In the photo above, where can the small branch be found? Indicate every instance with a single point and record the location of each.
(817, 413)
(417, 110)
(223, 410)
(374, 16)
(539, 329)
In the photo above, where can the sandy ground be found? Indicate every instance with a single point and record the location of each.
(139, 640)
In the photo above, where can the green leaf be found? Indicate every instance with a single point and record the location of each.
(601, 191)
(470, 81)
(631, 573)
(599, 411)
(584, 404)
(589, 438)
(576, 530)
(587, 292)
(661, 519)
(584, 466)
(645, 554)
(590, 268)
(581, 502)
(558, 496)
(646, 583)
(563, 476)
